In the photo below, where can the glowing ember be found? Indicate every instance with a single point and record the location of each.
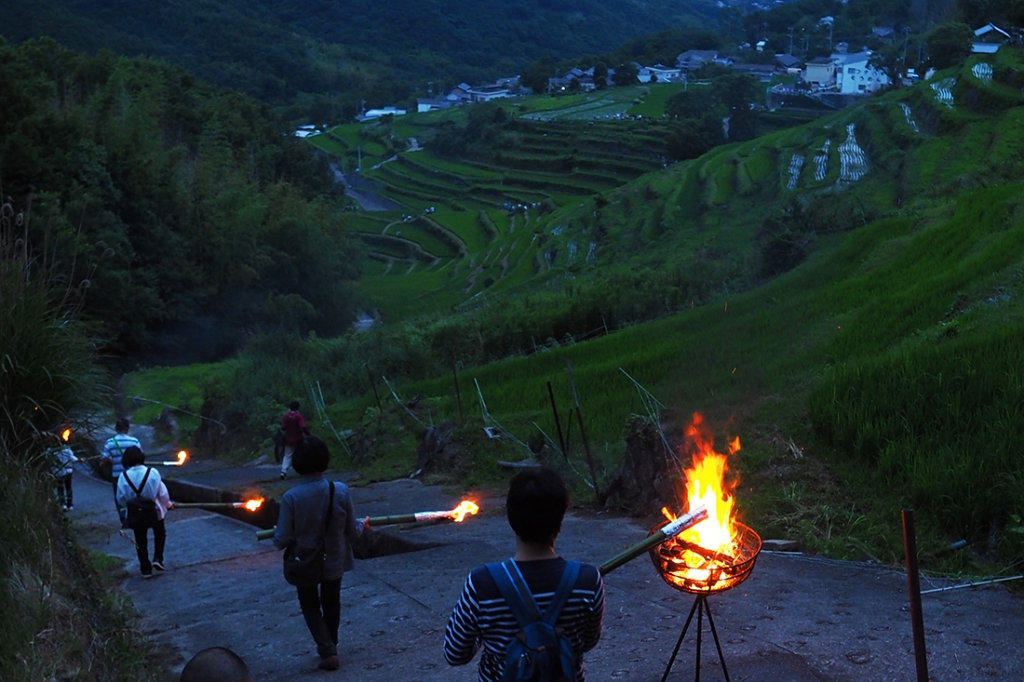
(464, 509)
(251, 505)
(182, 456)
(704, 557)
(66, 435)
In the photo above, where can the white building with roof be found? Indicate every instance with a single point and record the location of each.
(377, 113)
(855, 77)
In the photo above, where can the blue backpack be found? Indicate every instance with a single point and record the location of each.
(539, 652)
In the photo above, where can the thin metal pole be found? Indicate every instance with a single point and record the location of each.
(718, 645)
(700, 629)
(558, 422)
(675, 652)
(914, 586)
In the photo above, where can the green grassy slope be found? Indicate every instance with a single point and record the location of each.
(883, 371)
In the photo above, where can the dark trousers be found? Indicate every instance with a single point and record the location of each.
(321, 607)
(64, 490)
(142, 545)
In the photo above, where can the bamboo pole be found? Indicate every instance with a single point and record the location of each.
(210, 505)
(583, 431)
(659, 536)
(558, 422)
(393, 520)
(458, 394)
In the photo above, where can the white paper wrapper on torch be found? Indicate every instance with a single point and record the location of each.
(666, 532)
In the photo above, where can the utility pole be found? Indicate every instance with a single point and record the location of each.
(790, 40)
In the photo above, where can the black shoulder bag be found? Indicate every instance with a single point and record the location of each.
(304, 566)
(142, 512)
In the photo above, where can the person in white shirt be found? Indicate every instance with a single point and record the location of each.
(145, 482)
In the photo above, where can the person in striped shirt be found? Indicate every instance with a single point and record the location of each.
(483, 621)
(113, 451)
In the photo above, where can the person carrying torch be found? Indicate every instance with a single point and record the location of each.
(485, 617)
(143, 495)
(317, 516)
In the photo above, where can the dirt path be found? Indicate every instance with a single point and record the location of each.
(797, 619)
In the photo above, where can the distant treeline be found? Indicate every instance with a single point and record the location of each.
(191, 220)
(320, 59)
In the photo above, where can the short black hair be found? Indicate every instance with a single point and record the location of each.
(293, 405)
(132, 457)
(216, 664)
(311, 456)
(536, 504)
(122, 425)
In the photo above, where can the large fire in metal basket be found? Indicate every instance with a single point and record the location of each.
(719, 552)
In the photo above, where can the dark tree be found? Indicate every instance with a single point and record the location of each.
(949, 44)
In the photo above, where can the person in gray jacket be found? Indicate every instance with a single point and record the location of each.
(301, 517)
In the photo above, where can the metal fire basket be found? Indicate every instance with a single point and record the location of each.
(723, 571)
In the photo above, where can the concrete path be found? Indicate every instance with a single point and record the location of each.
(797, 619)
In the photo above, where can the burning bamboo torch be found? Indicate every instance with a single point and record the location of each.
(458, 515)
(251, 505)
(182, 456)
(664, 533)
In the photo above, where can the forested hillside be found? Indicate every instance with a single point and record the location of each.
(322, 58)
(190, 219)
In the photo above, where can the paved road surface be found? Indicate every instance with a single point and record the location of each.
(795, 620)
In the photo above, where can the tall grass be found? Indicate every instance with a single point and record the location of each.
(942, 424)
(60, 622)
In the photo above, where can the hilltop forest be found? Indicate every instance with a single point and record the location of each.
(320, 60)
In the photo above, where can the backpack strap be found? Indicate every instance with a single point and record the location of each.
(137, 491)
(517, 595)
(564, 591)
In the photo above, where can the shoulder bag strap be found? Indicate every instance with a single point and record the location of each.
(564, 591)
(330, 509)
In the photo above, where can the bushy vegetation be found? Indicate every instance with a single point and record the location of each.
(209, 223)
(61, 622)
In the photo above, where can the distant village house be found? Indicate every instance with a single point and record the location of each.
(371, 114)
(988, 39)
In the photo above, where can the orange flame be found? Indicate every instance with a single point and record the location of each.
(464, 509)
(66, 435)
(253, 505)
(182, 456)
(706, 485)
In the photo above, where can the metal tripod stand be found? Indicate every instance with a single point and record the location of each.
(700, 605)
